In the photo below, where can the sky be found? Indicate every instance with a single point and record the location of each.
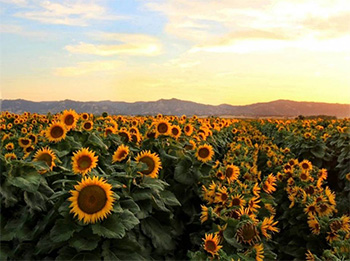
(213, 52)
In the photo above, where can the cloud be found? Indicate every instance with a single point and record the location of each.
(72, 13)
(128, 44)
(84, 68)
(19, 30)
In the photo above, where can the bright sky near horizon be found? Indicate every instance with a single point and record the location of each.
(213, 52)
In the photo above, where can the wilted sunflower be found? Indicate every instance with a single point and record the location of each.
(152, 161)
(247, 234)
(46, 155)
(204, 153)
(92, 200)
(120, 154)
(56, 132)
(69, 119)
(84, 161)
(211, 244)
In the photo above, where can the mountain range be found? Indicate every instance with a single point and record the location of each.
(278, 108)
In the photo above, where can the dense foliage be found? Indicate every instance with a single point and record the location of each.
(86, 187)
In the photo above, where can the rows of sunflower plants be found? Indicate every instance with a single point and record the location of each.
(77, 186)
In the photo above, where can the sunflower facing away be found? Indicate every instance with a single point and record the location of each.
(152, 161)
(211, 244)
(92, 200)
(56, 132)
(84, 161)
(120, 154)
(204, 152)
(46, 155)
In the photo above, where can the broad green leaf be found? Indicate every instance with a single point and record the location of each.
(28, 181)
(63, 230)
(112, 227)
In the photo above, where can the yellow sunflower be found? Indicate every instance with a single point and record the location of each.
(152, 161)
(125, 135)
(9, 146)
(120, 154)
(211, 244)
(88, 125)
(10, 156)
(24, 142)
(188, 129)
(162, 128)
(84, 161)
(175, 131)
(56, 132)
(305, 165)
(204, 153)
(69, 119)
(92, 200)
(232, 173)
(259, 252)
(237, 200)
(46, 155)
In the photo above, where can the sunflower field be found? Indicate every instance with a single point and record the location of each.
(78, 186)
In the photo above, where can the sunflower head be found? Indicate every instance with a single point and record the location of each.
(88, 125)
(46, 155)
(247, 233)
(175, 131)
(125, 135)
(24, 142)
(10, 156)
(56, 132)
(120, 154)
(211, 244)
(69, 119)
(305, 165)
(84, 161)
(162, 128)
(152, 162)
(204, 153)
(92, 200)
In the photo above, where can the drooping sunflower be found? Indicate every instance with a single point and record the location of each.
(204, 153)
(204, 214)
(120, 154)
(162, 128)
(92, 200)
(152, 161)
(56, 132)
(268, 224)
(46, 155)
(211, 244)
(84, 161)
(69, 119)
(248, 234)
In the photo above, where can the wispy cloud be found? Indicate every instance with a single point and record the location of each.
(19, 30)
(128, 44)
(84, 68)
(72, 13)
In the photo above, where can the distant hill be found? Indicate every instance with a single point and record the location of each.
(279, 108)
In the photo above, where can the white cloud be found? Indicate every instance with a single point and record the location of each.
(84, 68)
(19, 30)
(73, 13)
(128, 44)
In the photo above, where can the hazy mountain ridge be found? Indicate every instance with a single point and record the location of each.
(179, 107)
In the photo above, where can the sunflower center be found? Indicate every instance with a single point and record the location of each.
(92, 199)
(56, 132)
(174, 131)
(25, 142)
(229, 172)
(162, 127)
(248, 232)
(124, 135)
(236, 202)
(323, 208)
(305, 166)
(150, 164)
(203, 153)
(122, 154)
(224, 196)
(210, 245)
(46, 158)
(29, 149)
(312, 209)
(87, 125)
(69, 120)
(303, 176)
(84, 162)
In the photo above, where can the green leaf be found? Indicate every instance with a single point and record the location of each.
(161, 238)
(28, 182)
(130, 205)
(229, 236)
(112, 227)
(35, 201)
(107, 254)
(169, 198)
(141, 194)
(129, 220)
(84, 241)
(183, 174)
(159, 204)
(154, 184)
(63, 230)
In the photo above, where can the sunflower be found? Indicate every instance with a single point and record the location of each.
(222, 195)
(314, 225)
(309, 256)
(109, 130)
(33, 138)
(46, 155)
(56, 132)
(175, 131)
(259, 252)
(120, 154)
(9, 146)
(162, 128)
(253, 204)
(204, 214)
(125, 135)
(10, 156)
(211, 244)
(152, 161)
(204, 153)
(24, 142)
(84, 161)
(305, 165)
(310, 209)
(69, 118)
(188, 129)
(231, 173)
(28, 149)
(84, 116)
(92, 200)
(248, 234)
(332, 236)
(88, 125)
(269, 225)
(191, 146)
(237, 200)
(220, 175)
(331, 196)
(324, 209)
